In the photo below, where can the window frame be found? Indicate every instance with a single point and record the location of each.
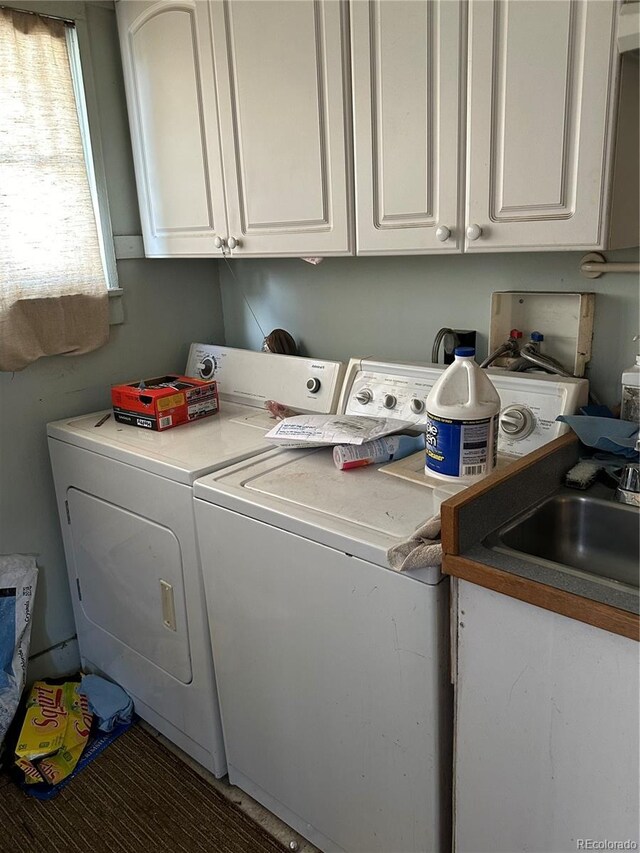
(79, 49)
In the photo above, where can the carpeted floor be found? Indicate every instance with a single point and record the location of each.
(136, 797)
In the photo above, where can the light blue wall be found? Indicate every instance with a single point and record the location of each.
(393, 307)
(167, 304)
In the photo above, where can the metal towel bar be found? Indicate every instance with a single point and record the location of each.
(594, 265)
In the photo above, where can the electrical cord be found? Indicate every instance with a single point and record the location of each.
(440, 335)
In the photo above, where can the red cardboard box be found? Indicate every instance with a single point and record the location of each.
(164, 402)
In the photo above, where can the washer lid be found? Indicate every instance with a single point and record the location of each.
(182, 453)
(361, 511)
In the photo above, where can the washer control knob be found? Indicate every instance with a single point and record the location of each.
(416, 406)
(389, 401)
(313, 385)
(365, 396)
(206, 367)
(517, 422)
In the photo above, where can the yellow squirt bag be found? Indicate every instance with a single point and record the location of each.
(54, 733)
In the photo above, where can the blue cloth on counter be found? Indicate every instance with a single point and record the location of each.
(108, 701)
(596, 411)
(608, 434)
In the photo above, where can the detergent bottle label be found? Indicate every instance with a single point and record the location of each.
(461, 448)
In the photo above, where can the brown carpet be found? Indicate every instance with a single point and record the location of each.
(136, 797)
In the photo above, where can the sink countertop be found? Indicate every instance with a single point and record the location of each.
(469, 517)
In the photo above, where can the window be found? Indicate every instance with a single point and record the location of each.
(55, 264)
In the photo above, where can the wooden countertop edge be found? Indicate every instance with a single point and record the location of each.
(549, 598)
(451, 507)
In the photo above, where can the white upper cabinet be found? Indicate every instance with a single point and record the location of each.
(168, 71)
(239, 119)
(540, 99)
(282, 75)
(408, 62)
(480, 126)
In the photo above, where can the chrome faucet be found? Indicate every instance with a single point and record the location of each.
(628, 491)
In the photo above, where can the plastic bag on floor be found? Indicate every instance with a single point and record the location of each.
(18, 575)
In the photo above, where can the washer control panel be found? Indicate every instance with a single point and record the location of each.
(530, 402)
(245, 376)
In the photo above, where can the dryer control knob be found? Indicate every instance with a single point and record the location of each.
(417, 406)
(313, 385)
(517, 422)
(365, 396)
(389, 401)
(206, 367)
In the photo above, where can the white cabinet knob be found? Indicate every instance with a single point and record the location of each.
(218, 242)
(232, 242)
(473, 231)
(443, 233)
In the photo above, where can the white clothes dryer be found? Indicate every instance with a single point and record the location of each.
(333, 669)
(124, 497)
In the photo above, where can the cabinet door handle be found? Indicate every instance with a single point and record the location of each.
(232, 242)
(473, 231)
(443, 233)
(218, 242)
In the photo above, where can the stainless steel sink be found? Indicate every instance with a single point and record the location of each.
(577, 533)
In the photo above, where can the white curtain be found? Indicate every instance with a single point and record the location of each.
(53, 292)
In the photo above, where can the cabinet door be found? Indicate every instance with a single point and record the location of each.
(540, 97)
(129, 579)
(168, 70)
(281, 70)
(546, 729)
(407, 76)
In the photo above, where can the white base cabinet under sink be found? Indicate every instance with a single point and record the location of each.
(546, 729)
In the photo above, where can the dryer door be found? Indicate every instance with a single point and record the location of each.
(130, 582)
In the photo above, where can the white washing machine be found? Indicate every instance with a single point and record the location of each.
(333, 669)
(125, 501)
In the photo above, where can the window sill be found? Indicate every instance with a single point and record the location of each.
(116, 308)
